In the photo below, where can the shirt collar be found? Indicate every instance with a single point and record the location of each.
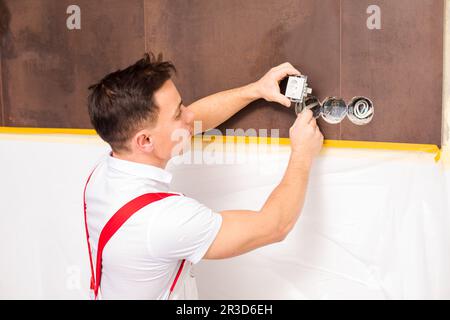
(140, 169)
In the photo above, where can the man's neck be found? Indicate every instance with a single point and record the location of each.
(140, 159)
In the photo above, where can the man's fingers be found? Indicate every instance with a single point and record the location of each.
(290, 70)
(312, 118)
(305, 116)
(286, 71)
(313, 122)
(281, 99)
(285, 65)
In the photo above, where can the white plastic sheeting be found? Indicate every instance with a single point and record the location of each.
(375, 224)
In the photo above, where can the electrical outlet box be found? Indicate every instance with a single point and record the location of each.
(295, 88)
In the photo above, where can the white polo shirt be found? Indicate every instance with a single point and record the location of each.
(141, 259)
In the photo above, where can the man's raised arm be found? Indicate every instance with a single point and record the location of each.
(244, 230)
(217, 108)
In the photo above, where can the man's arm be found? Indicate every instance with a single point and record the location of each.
(219, 107)
(242, 230)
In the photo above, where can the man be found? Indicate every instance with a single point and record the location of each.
(136, 110)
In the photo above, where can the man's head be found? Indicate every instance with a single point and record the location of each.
(137, 109)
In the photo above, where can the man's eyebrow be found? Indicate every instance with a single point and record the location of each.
(178, 108)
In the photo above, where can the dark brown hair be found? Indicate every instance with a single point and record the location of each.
(5, 18)
(122, 102)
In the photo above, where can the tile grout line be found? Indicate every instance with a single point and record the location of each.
(1, 90)
(145, 26)
(445, 125)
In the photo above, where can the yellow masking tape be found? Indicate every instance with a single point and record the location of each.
(18, 130)
(429, 148)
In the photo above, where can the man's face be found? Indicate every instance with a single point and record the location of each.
(175, 122)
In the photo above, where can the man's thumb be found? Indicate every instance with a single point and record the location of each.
(281, 99)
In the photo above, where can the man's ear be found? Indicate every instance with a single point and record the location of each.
(144, 141)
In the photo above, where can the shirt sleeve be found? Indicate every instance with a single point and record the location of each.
(183, 229)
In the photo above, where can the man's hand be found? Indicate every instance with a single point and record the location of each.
(305, 135)
(268, 86)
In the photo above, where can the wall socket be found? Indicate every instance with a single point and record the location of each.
(295, 88)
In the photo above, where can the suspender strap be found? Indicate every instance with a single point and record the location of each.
(92, 285)
(116, 221)
(176, 277)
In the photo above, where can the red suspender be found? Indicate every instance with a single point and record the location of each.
(116, 221)
(87, 231)
(176, 277)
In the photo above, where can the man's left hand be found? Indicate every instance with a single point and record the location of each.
(268, 86)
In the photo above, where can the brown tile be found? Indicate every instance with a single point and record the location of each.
(399, 67)
(47, 68)
(217, 45)
(5, 18)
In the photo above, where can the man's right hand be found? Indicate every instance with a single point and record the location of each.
(305, 135)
